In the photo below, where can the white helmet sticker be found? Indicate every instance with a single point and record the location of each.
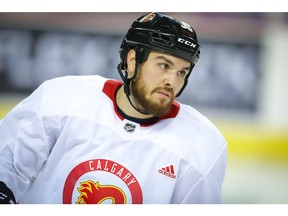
(186, 26)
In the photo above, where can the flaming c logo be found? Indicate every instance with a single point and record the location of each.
(94, 193)
(81, 190)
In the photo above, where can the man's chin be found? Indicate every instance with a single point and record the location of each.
(159, 110)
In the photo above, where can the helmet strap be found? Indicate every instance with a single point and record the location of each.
(126, 80)
(127, 84)
(186, 81)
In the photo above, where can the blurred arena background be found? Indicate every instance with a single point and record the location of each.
(240, 83)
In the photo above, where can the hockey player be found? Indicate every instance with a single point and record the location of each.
(93, 140)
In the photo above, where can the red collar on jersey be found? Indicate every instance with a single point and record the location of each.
(110, 88)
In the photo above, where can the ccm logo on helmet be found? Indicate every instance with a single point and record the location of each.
(186, 42)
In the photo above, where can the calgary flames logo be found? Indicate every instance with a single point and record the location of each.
(94, 193)
(82, 185)
(148, 17)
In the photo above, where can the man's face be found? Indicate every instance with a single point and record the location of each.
(158, 81)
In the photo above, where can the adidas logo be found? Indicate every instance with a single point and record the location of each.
(168, 171)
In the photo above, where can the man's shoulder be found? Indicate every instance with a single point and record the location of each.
(74, 85)
(72, 95)
(194, 120)
(201, 137)
(189, 113)
(76, 80)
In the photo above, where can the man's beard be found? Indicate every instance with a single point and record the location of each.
(156, 108)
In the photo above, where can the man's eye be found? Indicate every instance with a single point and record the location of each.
(182, 73)
(164, 66)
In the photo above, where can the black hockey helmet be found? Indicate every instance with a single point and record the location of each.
(155, 31)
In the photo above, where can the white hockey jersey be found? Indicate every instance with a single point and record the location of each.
(68, 142)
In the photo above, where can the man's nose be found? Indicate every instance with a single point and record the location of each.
(170, 79)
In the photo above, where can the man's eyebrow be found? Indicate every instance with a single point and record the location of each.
(170, 62)
(165, 59)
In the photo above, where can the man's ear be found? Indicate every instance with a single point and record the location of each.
(131, 62)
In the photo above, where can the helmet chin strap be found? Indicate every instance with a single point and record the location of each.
(138, 110)
(126, 82)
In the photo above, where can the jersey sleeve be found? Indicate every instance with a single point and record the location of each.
(205, 188)
(25, 143)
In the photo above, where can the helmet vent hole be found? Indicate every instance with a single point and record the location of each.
(165, 27)
(162, 39)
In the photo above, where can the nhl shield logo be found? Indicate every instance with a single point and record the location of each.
(129, 127)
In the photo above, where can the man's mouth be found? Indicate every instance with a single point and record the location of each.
(164, 94)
